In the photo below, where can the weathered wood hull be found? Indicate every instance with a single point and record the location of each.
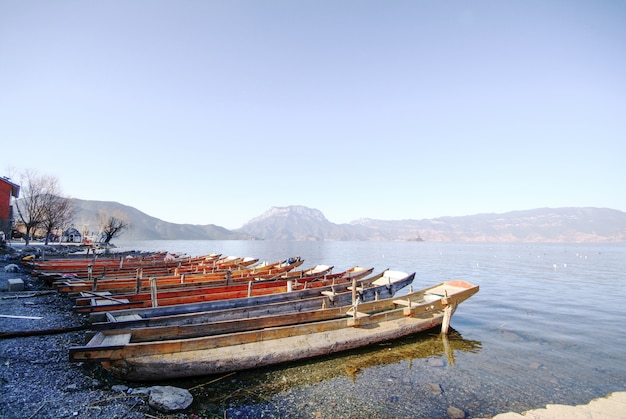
(366, 286)
(373, 322)
(194, 295)
(342, 298)
(262, 353)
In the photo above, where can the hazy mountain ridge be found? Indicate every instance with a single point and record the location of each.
(544, 225)
(146, 227)
(558, 225)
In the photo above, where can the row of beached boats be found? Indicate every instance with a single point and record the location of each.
(200, 321)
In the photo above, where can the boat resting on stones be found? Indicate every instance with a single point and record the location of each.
(369, 289)
(220, 349)
(382, 285)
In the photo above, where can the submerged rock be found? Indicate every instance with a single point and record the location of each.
(455, 413)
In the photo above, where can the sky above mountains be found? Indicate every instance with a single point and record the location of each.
(211, 112)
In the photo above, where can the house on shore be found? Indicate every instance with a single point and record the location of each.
(8, 189)
(71, 235)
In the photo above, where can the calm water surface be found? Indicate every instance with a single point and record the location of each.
(544, 328)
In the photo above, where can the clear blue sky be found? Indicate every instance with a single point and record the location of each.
(211, 112)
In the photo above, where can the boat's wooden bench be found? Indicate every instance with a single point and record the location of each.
(123, 318)
(426, 304)
(108, 302)
(113, 339)
(355, 317)
(103, 298)
(331, 294)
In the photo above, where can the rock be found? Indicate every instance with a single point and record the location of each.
(455, 413)
(15, 285)
(168, 399)
(435, 388)
(119, 387)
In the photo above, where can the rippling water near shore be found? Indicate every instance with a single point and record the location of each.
(544, 328)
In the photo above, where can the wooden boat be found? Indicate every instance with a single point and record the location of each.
(51, 271)
(365, 287)
(142, 283)
(97, 263)
(168, 297)
(52, 262)
(368, 289)
(243, 344)
(108, 270)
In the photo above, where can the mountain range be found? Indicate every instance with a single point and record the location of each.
(544, 225)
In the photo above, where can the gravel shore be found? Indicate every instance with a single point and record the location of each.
(36, 378)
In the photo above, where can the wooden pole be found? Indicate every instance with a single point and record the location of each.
(153, 292)
(138, 283)
(249, 288)
(353, 290)
(90, 277)
(447, 316)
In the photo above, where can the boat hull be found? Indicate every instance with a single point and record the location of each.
(263, 353)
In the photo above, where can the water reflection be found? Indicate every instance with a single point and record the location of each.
(259, 385)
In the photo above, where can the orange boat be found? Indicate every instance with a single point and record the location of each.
(224, 277)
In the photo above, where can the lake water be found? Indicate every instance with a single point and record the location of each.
(544, 328)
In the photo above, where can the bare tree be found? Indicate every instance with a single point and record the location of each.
(31, 209)
(112, 225)
(58, 213)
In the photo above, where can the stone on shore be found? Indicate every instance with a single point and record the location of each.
(15, 284)
(168, 399)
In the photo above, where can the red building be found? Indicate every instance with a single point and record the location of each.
(8, 189)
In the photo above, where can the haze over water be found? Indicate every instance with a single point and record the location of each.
(545, 327)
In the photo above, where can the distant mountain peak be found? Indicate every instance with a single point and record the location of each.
(299, 211)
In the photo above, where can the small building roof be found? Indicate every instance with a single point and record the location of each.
(15, 189)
